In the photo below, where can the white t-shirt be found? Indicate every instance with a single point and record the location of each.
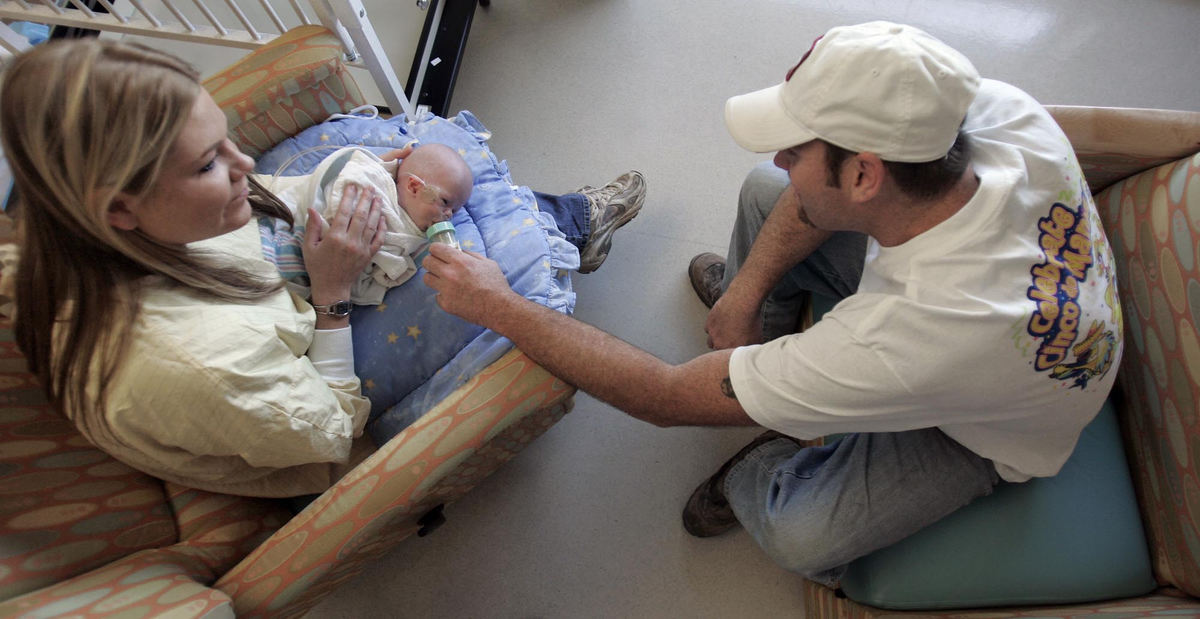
(1000, 325)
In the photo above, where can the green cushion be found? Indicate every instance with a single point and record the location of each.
(1074, 537)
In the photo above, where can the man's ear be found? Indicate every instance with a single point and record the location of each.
(120, 215)
(867, 175)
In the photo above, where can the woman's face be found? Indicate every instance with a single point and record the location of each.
(202, 189)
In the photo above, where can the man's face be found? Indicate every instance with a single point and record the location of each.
(821, 204)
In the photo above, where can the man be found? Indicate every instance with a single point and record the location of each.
(981, 339)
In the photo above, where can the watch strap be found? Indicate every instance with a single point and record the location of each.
(337, 309)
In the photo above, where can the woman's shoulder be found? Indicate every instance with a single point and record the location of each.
(179, 323)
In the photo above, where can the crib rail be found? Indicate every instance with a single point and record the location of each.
(243, 24)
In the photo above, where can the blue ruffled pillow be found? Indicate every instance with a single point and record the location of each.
(409, 353)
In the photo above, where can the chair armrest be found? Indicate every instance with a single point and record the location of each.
(379, 503)
(284, 87)
(158, 582)
(1113, 143)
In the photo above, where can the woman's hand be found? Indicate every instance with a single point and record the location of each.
(338, 250)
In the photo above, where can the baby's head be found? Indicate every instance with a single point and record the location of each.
(432, 183)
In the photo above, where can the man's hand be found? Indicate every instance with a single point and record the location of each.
(734, 321)
(469, 285)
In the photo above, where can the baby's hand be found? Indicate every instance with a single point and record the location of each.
(398, 153)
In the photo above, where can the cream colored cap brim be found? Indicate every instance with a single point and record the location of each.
(757, 121)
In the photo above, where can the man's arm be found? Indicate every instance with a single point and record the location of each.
(784, 240)
(694, 393)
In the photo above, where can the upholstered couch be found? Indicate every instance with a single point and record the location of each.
(84, 535)
(1143, 166)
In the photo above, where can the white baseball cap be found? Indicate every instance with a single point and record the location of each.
(878, 87)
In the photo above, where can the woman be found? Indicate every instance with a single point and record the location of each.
(145, 306)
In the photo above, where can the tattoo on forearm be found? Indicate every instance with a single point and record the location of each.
(727, 388)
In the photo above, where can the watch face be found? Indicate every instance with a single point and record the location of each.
(341, 309)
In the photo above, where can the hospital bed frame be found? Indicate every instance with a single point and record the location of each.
(247, 24)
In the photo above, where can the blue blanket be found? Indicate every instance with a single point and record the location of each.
(409, 353)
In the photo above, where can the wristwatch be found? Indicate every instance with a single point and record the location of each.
(340, 309)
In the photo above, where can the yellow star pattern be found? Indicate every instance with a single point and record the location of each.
(324, 137)
(392, 337)
(382, 307)
(468, 244)
(414, 332)
(370, 384)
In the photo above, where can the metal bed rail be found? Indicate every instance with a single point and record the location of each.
(243, 24)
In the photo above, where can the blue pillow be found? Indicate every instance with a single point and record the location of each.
(409, 353)
(1075, 537)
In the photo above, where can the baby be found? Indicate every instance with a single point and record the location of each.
(426, 187)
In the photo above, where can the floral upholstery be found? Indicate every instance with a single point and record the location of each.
(305, 83)
(83, 535)
(67, 507)
(435, 460)
(1152, 217)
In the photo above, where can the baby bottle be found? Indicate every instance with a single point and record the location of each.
(443, 232)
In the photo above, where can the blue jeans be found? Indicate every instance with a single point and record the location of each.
(572, 213)
(815, 509)
(833, 270)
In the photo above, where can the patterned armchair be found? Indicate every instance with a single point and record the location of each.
(84, 535)
(1143, 167)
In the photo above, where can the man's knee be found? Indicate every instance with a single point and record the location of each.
(761, 190)
(804, 550)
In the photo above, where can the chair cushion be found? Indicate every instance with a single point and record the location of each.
(1153, 224)
(159, 582)
(1075, 537)
(307, 79)
(65, 507)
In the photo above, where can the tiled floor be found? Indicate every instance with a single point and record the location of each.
(585, 522)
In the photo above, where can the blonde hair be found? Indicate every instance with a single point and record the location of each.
(82, 120)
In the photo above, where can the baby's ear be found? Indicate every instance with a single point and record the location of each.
(412, 184)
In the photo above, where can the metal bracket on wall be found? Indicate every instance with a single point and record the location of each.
(442, 44)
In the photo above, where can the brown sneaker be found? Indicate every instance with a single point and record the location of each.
(613, 206)
(707, 512)
(706, 271)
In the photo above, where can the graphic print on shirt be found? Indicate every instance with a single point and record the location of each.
(1070, 253)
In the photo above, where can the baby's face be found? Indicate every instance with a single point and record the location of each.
(430, 202)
